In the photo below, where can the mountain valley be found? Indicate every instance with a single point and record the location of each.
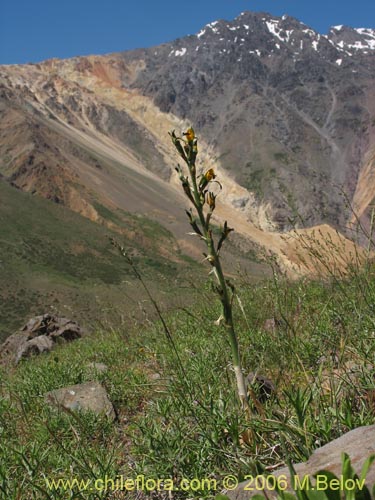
(285, 116)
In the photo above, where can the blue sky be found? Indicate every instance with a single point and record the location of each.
(34, 30)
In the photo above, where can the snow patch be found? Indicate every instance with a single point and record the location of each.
(273, 27)
(365, 31)
(309, 32)
(209, 25)
(181, 52)
(288, 33)
(338, 62)
(367, 41)
(360, 45)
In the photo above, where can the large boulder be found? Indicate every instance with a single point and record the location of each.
(39, 335)
(359, 444)
(82, 397)
(34, 346)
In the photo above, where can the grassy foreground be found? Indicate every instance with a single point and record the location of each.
(178, 415)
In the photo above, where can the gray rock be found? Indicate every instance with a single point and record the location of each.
(270, 325)
(70, 331)
(11, 346)
(97, 367)
(262, 386)
(34, 346)
(359, 444)
(87, 396)
(19, 345)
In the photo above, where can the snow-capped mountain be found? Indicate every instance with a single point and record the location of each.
(287, 113)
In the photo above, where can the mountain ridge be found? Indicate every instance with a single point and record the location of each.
(272, 78)
(276, 125)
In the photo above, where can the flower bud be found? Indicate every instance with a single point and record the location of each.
(190, 134)
(209, 175)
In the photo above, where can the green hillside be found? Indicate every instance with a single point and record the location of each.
(54, 260)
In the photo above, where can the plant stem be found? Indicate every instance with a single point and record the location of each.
(226, 300)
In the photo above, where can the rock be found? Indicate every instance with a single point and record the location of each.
(270, 325)
(98, 367)
(262, 386)
(68, 332)
(11, 346)
(24, 343)
(87, 396)
(359, 444)
(36, 345)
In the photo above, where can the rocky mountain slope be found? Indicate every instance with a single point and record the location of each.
(289, 113)
(284, 114)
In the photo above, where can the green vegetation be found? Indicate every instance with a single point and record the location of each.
(171, 381)
(282, 157)
(137, 222)
(53, 259)
(349, 486)
(182, 420)
(255, 180)
(258, 179)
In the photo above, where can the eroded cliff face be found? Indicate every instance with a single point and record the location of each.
(285, 115)
(363, 199)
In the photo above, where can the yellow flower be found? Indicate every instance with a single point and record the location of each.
(209, 175)
(190, 134)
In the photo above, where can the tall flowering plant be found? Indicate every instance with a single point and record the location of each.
(202, 193)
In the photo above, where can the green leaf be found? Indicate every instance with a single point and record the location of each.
(329, 493)
(347, 469)
(317, 494)
(285, 495)
(362, 494)
(366, 467)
